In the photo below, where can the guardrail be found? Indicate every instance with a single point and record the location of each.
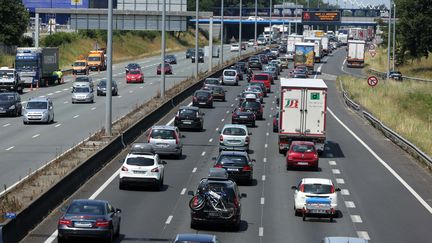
(17, 228)
(389, 133)
(383, 75)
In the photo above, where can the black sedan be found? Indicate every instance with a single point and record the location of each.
(10, 104)
(189, 52)
(171, 59)
(243, 117)
(202, 98)
(237, 164)
(101, 88)
(90, 219)
(255, 62)
(253, 106)
(189, 117)
(132, 66)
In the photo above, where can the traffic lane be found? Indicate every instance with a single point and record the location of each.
(336, 65)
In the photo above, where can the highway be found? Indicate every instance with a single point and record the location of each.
(28, 147)
(385, 195)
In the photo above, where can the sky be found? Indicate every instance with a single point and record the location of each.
(356, 3)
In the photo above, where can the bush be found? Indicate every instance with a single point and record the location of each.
(59, 38)
(26, 41)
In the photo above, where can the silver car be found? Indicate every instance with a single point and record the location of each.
(230, 76)
(234, 137)
(342, 239)
(38, 110)
(166, 140)
(82, 94)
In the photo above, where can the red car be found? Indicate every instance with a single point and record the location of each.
(302, 154)
(167, 69)
(135, 76)
(264, 78)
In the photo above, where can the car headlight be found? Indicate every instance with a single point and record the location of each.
(12, 107)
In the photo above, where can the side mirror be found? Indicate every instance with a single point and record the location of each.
(163, 162)
(294, 187)
(183, 136)
(337, 190)
(118, 210)
(64, 208)
(243, 195)
(191, 193)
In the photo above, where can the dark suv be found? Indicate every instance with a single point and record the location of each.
(237, 164)
(255, 62)
(189, 117)
(217, 201)
(254, 106)
(202, 98)
(10, 104)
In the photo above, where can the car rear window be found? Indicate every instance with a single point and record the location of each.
(317, 189)
(134, 72)
(237, 131)
(82, 90)
(229, 73)
(232, 160)
(303, 148)
(162, 134)
(202, 94)
(251, 104)
(211, 81)
(260, 77)
(82, 79)
(86, 208)
(140, 161)
(187, 113)
(220, 188)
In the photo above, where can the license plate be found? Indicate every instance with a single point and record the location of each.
(202, 103)
(213, 214)
(244, 117)
(139, 171)
(318, 211)
(162, 144)
(2, 111)
(83, 224)
(232, 169)
(302, 163)
(187, 122)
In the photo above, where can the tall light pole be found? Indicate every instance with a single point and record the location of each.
(394, 35)
(240, 29)
(256, 16)
(296, 10)
(196, 38)
(270, 22)
(108, 103)
(283, 16)
(222, 33)
(388, 39)
(162, 84)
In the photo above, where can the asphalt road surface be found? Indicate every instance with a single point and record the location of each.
(385, 194)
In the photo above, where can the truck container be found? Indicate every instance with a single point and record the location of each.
(10, 80)
(317, 47)
(291, 46)
(303, 108)
(343, 38)
(325, 45)
(304, 55)
(37, 64)
(355, 53)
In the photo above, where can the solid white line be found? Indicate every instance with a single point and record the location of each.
(210, 140)
(349, 204)
(363, 235)
(36, 135)
(265, 160)
(194, 170)
(183, 191)
(262, 201)
(345, 192)
(65, 102)
(265, 145)
(332, 162)
(261, 232)
(263, 178)
(58, 125)
(50, 94)
(76, 116)
(382, 162)
(203, 153)
(93, 108)
(6, 125)
(356, 219)
(11, 147)
(336, 171)
(168, 221)
(58, 91)
(340, 181)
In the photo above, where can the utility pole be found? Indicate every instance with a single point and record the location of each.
(196, 38)
(394, 35)
(270, 22)
(240, 29)
(296, 10)
(108, 106)
(283, 16)
(162, 85)
(256, 16)
(389, 39)
(222, 33)
(211, 44)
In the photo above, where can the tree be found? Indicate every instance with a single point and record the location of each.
(14, 19)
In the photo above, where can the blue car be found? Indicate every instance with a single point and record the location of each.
(199, 238)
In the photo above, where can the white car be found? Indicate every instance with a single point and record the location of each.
(82, 94)
(315, 188)
(235, 47)
(251, 42)
(234, 137)
(142, 167)
(230, 76)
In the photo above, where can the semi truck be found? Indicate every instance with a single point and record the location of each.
(317, 47)
(303, 108)
(325, 45)
(292, 39)
(10, 80)
(37, 65)
(304, 55)
(355, 53)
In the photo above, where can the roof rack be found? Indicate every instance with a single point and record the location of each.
(142, 148)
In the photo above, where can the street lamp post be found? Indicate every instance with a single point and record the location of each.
(296, 17)
(256, 16)
(108, 106)
(388, 40)
(283, 16)
(240, 29)
(394, 35)
(222, 33)
(270, 22)
(196, 38)
(162, 85)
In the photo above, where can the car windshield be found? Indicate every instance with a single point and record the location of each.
(211, 81)
(229, 73)
(6, 74)
(219, 188)
(37, 105)
(86, 208)
(303, 148)
(79, 64)
(187, 113)
(82, 79)
(162, 134)
(134, 72)
(93, 58)
(251, 104)
(317, 189)
(140, 161)
(232, 160)
(7, 97)
(260, 77)
(237, 131)
(82, 90)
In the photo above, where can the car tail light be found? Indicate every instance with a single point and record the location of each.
(315, 156)
(236, 202)
(218, 166)
(290, 157)
(194, 98)
(210, 97)
(242, 109)
(247, 168)
(124, 168)
(66, 222)
(155, 170)
(176, 138)
(247, 139)
(301, 188)
(195, 201)
(234, 115)
(102, 223)
(221, 138)
(332, 190)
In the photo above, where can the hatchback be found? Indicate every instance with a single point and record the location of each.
(132, 66)
(218, 92)
(230, 76)
(40, 110)
(237, 164)
(234, 137)
(235, 47)
(171, 59)
(211, 81)
(83, 81)
(243, 117)
(10, 104)
(167, 69)
(202, 98)
(263, 78)
(166, 140)
(189, 117)
(255, 62)
(135, 76)
(253, 106)
(82, 95)
(302, 154)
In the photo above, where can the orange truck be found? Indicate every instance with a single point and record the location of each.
(96, 60)
(80, 66)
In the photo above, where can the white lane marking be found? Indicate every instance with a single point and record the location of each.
(203, 153)
(345, 192)
(217, 128)
(168, 221)
(263, 177)
(119, 96)
(232, 105)
(141, 87)
(265, 145)
(265, 160)
(356, 219)
(151, 83)
(222, 120)
(262, 201)
(261, 232)
(183, 191)
(210, 140)
(58, 91)
(228, 112)
(6, 125)
(11, 147)
(340, 181)
(50, 94)
(267, 134)
(363, 235)
(93, 108)
(332, 162)
(36, 135)
(268, 124)
(194, 170)
(382, 162)
(76, 116)
(65, 89)
(65, 102)
(336, 171)
(130, 91)
(349, 204)
(57, 125)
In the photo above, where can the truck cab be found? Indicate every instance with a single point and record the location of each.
(96, 61)
(10, 80)
(80, 66)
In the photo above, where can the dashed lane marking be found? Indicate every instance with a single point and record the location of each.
(232, 105)
(183, 191)
(262, 201)
(210, 140)
(203, 153)
(340, 181)
(50, 94)
(76, 116)
(58, 91)
(265, 160)
(336, 171)
(356, 219)
(227, 112)
(263, 177)
(6, 125)
(261, 232)
(130, 91)
(345, 192)
(57, 125)
(349, 204)
(36, 135)
(222, 120)
(168, 221)
(217, 128)
(268, 124)
(332, 162)
(265, 145)
(267, 134)
(11, 147)
(65, 89)
(194, 170)
(65, 102)
(363, 235)
(93, 108)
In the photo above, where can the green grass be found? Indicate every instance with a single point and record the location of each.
(405, 107)
(6, 60)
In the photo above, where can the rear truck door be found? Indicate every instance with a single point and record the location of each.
(314, 106)
(291, 115)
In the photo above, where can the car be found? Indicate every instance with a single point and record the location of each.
(395, 75)
(235, 47)
(302, 69)
(135, 76)
(253, 106)
(264, 58)
(202, 98)
(283, 62)
(101, 88)
(89, 218)
(271, 70)
(237, 164)
(189, 52)
(217, 201)
(83, 81)
(167, 69)
(166, 140)
(142, 167)
(242, 66)
(80, 67)
(320, 188)
(343, 239)
(239, 71)
(190, 237)
(200, 56)
(255, 62)
(10, 104)
(261, 41)
(251, 92)
(38, 110)
(255, 18)
(263, 78)
(218, 92)
(270, 56)
(230, 76)
(275, 51)
(276, 121)
(251, 42)
(290, 55)
(82, 94)
(243, 117)
(282, 48)
(299, 75)
(277, 63)
(234, 137)
(189, 117)
(132, 66)
(211, 81)
(302, 154)
(171, 59)
(257, 85)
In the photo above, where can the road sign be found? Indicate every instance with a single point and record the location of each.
(372, 81)
(371, 47)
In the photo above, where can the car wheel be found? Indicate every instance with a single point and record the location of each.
(122, 186)
(253, 124)
(160, 184)
(117, 233)
(17, 112)
(110, 238)
(52, 120)
(180, 155)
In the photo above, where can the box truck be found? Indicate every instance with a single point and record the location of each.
(37, 64)
(355, 53)
(304, 55)
(303, 108)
